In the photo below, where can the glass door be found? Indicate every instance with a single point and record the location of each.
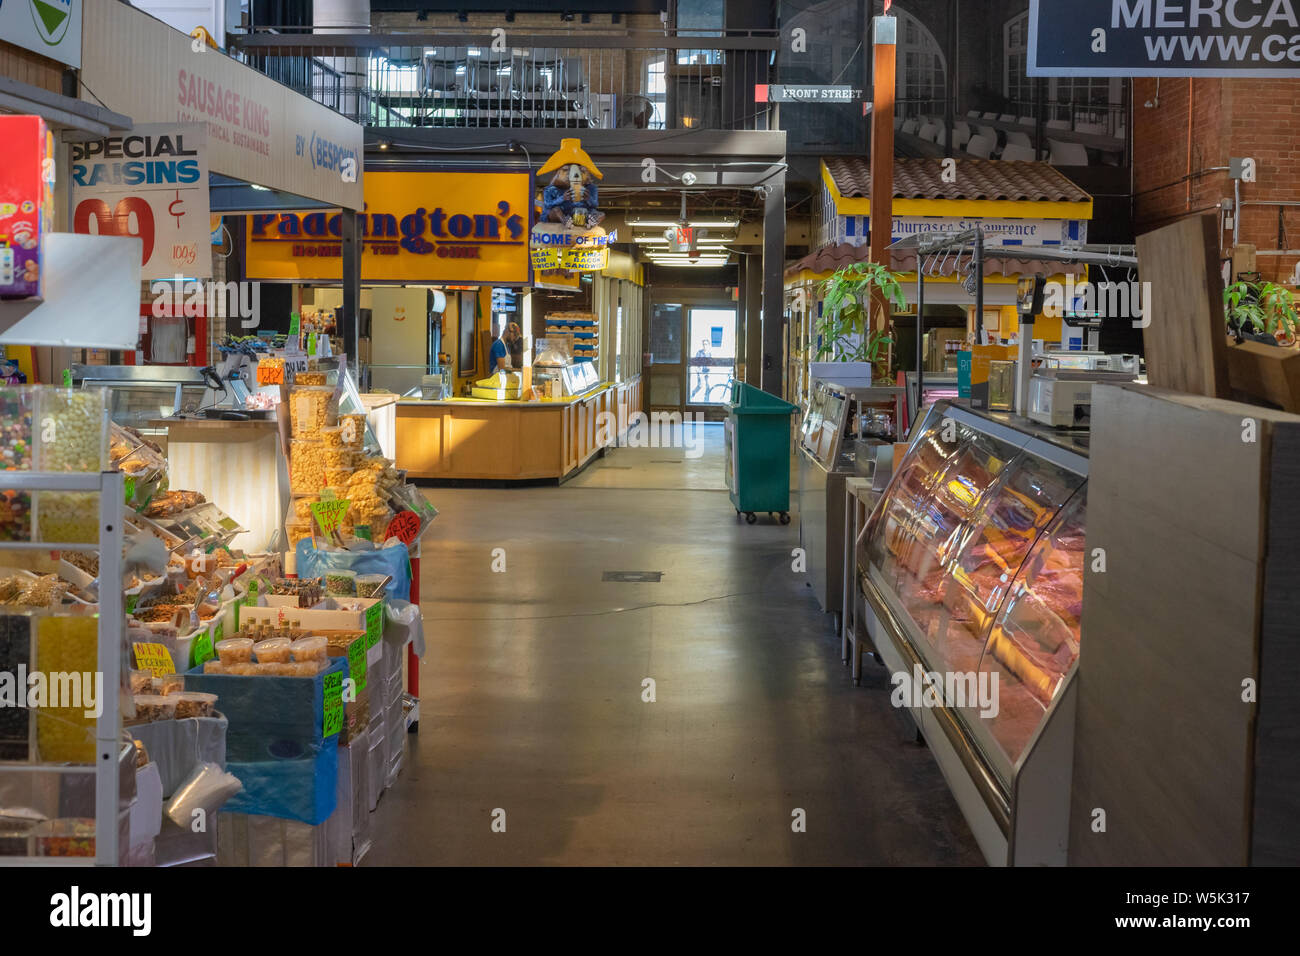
(712, 365)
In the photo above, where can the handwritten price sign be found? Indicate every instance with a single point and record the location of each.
(154, 658)
(405, 526)
(329, 514)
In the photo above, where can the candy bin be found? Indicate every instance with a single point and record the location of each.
(15, 656)
(16, 428)
(71, 430)
(69, 645)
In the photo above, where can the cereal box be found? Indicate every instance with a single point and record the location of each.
(26, 203)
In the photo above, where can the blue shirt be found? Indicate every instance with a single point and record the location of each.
(495, 355)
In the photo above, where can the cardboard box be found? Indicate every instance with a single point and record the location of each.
(26, 204)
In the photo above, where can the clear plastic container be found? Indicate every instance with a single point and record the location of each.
(332, 436)
(306, 668)
(310, 649)
(296, 531)
(274, 650)
(141, 682)
(341, 583)
(151, 707)
(371, 585)
(354, 430)
(167, 685)
(15, 515)
(73, 433)
(311, 408)
(216, 667)
(68, 516)
(306, 466)
(17, 404)
(194, 704)
(235, 650)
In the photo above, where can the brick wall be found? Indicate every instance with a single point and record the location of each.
(1246, 118)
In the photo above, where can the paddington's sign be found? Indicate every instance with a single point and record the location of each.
(463, 228)
(1164, 38)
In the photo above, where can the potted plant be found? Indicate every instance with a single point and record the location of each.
(1264, 309)
(845, 326)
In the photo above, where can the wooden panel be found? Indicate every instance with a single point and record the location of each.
(420, 439)
(483, 441)
(1276, 837)
(1185, 346)
(541, 451)
(30, 68)
(1163, 741)
(1266, 373)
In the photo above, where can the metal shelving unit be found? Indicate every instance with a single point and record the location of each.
(108, 727)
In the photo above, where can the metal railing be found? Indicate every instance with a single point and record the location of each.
(632, 81)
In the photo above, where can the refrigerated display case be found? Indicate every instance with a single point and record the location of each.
(140, 394)
(827, 451)
(971, 567)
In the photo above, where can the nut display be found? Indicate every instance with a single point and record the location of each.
(151, 707)
(16, 429)
(310, 378)
(341, 583)
(141, 682)
(73, 429)
(194, 704)
(371, 585)
(297, 530)
(309, 649)
(272, 651)
(167, 685)
(235, 650)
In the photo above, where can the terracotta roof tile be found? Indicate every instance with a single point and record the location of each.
(976, 179)
(902, 260)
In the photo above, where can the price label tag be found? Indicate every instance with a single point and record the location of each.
(295, 321)
(405, 526)
(203, 648)
(357, 663)
(131, 601)
(333, 716)
(311, 343)
(374, 624)
(128, 486)
(329, 514)
(67, 378)
(154, 658)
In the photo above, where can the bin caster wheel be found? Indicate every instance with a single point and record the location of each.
(785, 517)
(750, 517)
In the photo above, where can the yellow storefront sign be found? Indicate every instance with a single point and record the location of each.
(417, 227)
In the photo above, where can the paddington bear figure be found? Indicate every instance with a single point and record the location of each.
(572, 196)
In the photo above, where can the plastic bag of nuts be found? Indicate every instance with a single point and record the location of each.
(306, 466)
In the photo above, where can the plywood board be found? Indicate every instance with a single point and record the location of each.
(1163, 740)
(1186, 350)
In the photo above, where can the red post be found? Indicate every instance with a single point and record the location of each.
(885, 39)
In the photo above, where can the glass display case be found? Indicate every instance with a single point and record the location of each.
(972, 564)
(139, 394)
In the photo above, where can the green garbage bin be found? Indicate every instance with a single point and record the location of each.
(758, 452)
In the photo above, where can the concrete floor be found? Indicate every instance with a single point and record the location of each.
(532, 691)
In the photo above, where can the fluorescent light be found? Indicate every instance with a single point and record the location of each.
(694, 223)
(261, 189)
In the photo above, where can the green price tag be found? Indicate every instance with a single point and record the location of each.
(294, 320)
(333, 716)
(362, 531)
(129, 486)
(311, 343)
(131, 601)
(203, 648)
(357, 663)
(67, 378)
(374, 624)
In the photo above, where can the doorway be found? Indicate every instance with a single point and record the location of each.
(691, 351)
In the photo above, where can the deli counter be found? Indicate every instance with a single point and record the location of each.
(971, 567)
